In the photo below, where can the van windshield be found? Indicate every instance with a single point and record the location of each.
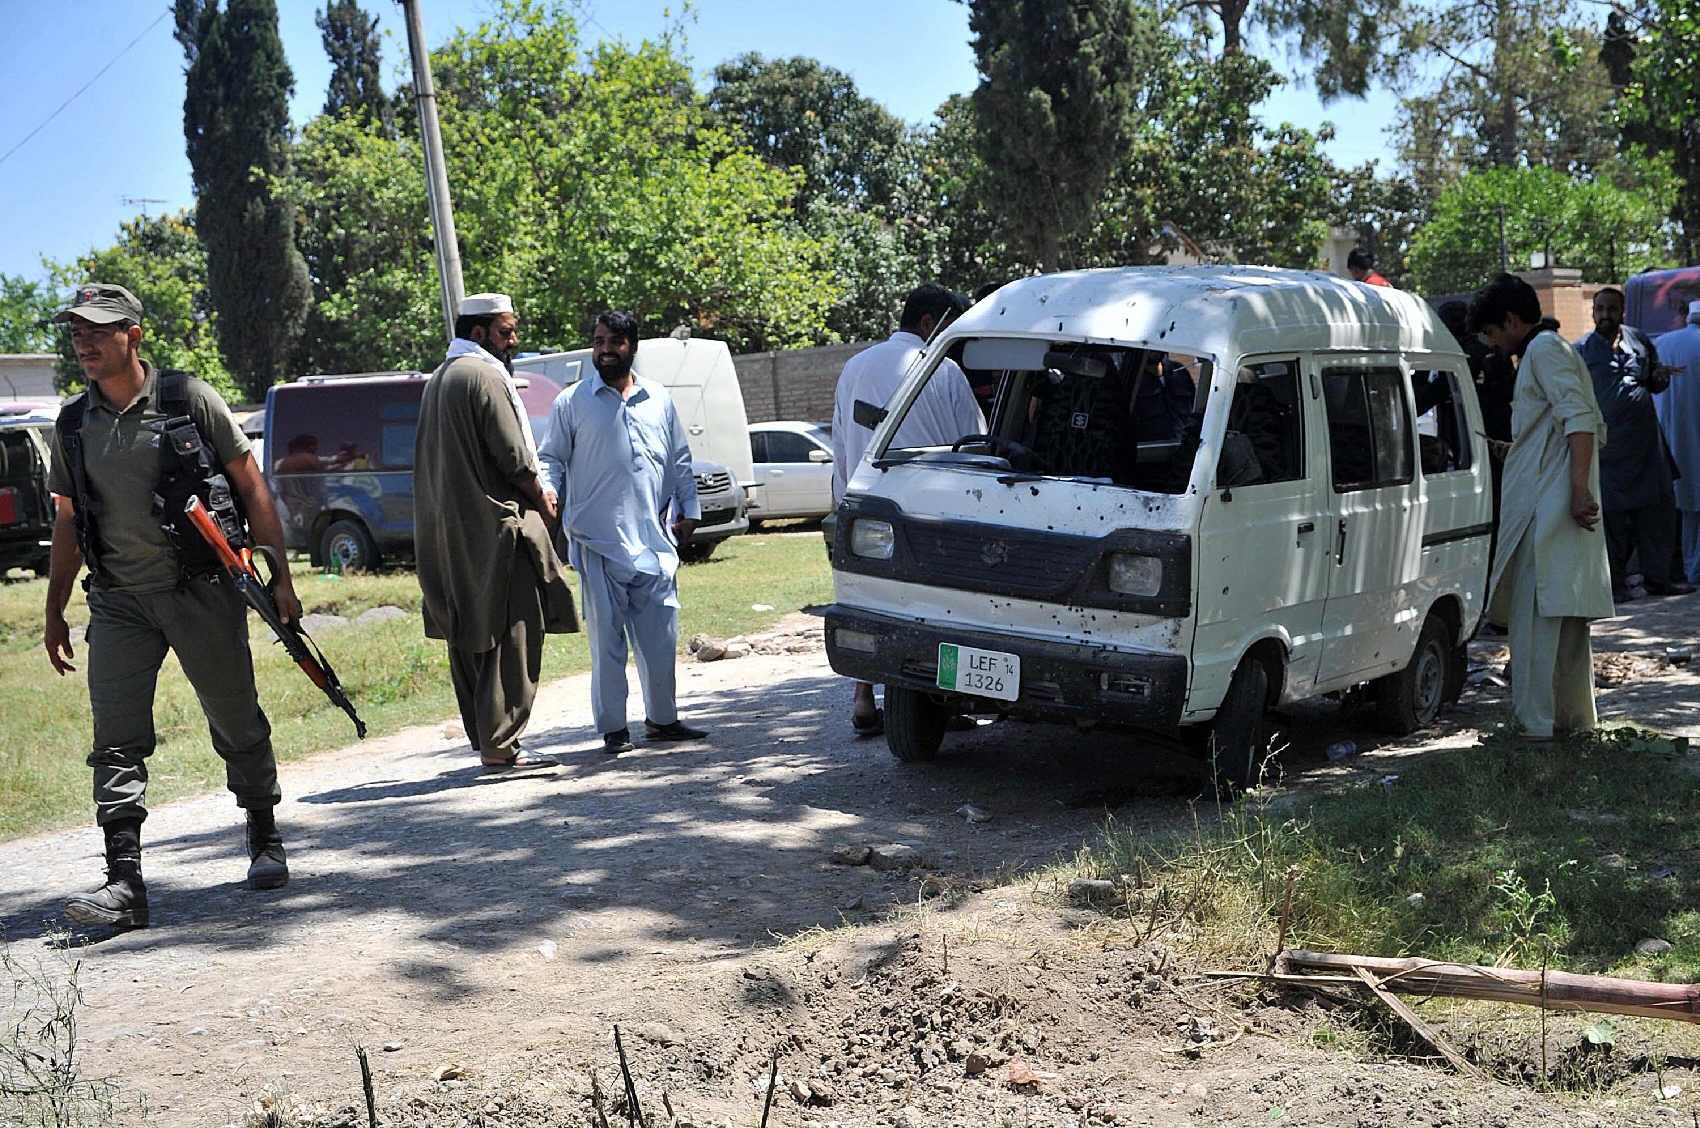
(1108, 414)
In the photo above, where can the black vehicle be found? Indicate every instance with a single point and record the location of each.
(26, 506)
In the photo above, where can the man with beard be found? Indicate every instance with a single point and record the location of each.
(1635, 480)
(492, 583)
(615, 453)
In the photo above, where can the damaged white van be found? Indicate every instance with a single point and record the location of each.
(1203, 492)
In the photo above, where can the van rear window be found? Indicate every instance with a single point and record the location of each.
(338, 429)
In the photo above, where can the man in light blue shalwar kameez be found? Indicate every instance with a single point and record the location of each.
(615, 455)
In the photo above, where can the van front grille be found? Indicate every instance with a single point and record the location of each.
(969, 556)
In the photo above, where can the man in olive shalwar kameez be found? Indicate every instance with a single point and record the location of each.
(1550, 574)
(492, 582)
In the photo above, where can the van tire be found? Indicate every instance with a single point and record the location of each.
(1239, 733)
(346, 546)
(914, 724)
(1412, 698)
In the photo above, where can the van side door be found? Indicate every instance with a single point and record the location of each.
(1263, 543)
(1457, 497)
(1376, 540)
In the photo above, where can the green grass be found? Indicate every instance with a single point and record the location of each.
(395, 675)
(1570, 853)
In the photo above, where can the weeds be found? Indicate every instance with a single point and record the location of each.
(1483, 855)
(41, 1077)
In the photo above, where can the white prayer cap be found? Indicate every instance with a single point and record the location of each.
(1694, 311)
(484, 305)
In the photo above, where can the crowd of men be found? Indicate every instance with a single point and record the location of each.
(1596, 450)
(497, 515)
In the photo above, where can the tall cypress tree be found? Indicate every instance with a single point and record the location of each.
(236, 123)
(350, 36)
(1057, 107)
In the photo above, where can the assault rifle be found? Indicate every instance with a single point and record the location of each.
(240, 569)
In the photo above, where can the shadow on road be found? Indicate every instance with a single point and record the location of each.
(723, 842)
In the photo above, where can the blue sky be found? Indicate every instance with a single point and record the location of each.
(64, 190)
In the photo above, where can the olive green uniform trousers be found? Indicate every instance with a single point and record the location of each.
(206, 626)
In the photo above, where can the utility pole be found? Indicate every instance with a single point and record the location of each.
(436, 173)
(1502, 251)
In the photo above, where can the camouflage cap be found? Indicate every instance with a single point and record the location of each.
(101, 304)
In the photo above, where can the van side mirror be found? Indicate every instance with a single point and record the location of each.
(867, 414)
(819, 455)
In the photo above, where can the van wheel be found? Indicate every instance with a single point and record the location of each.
(346, 546)
(1240, 732)
(914, 724)
(40, 566)
(1411, 698)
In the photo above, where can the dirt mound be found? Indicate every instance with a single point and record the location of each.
(996, 1010)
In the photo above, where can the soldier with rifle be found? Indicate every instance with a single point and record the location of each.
(130, 453)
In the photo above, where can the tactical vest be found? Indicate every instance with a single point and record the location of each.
(187, 468)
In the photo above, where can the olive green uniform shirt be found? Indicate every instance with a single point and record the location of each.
(121, 464)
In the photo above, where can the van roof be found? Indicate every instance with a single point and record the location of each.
(1222, 311)
(358, 378)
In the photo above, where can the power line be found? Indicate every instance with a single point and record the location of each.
(79, 92)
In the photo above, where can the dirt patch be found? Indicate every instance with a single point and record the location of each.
(695, 895)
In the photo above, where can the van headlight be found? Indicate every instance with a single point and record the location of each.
(1131, 574)
(872, 539)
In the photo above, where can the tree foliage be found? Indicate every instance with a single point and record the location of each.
(800, 114)
(1520, 82)
(161, 261)
(26, 312)
(861, 192)
(1606, 230)
(350, 37)
(360, 193)
(1059, 102)
(236, 122)
(583, 177)
(1655, 57)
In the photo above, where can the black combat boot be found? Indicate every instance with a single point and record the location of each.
(123, 901)
(267, 868)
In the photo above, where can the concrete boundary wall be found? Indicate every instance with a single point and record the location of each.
(793, 383)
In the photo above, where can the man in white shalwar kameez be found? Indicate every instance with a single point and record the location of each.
(1679, 414)
(616, 455)
(1550, 571)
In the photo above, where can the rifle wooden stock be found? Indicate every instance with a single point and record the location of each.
(258, 595)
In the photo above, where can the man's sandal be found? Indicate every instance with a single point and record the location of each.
(519, 762)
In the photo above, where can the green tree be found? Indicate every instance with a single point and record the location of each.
(797, 113)
(1655, 59)
(590, 177)
(26, 312)
(1057, 108)
(1386, 211)
(160, 260)
(236, 122)
(861, 193)
(1520, 82)
(1603, 228)
(1341, 38)
(350, 37)
(360, 193)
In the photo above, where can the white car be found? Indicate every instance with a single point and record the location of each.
(793, 467)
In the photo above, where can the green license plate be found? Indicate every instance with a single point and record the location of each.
(983, 673)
